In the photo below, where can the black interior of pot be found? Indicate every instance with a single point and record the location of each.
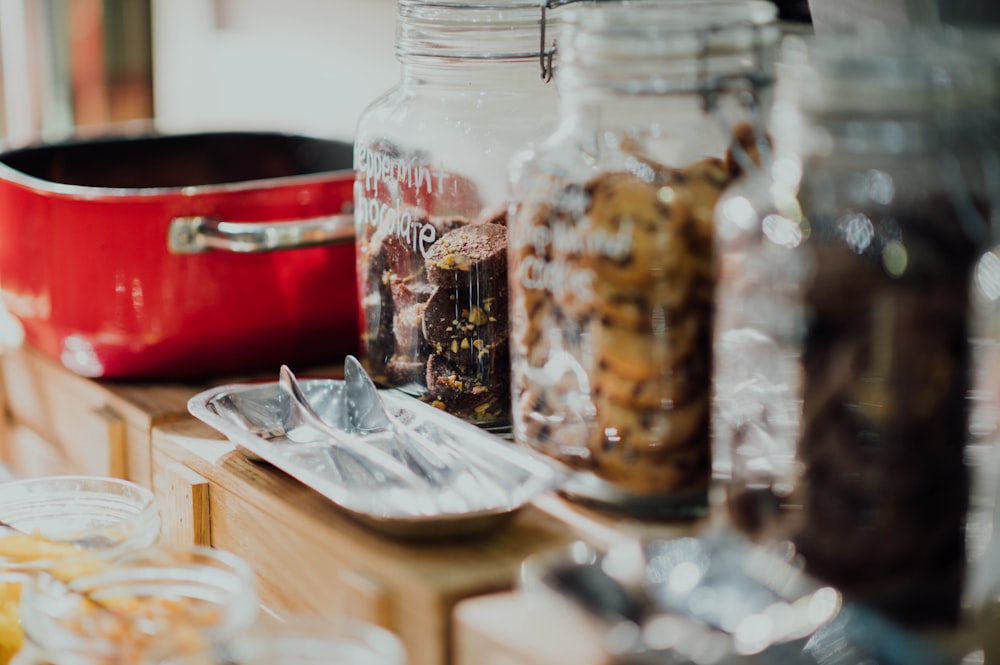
(180, 160)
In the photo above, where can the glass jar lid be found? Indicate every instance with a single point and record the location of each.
(878, 71)
(314, 640)
(678, 46)
(147, 607)
(69, 520)
(471, 29)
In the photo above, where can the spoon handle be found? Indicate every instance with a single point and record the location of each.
(356, 445)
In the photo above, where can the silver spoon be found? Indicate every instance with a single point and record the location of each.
(376, 461)
(449, 462)
(366, 414)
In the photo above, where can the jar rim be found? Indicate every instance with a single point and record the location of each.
(125, 514)
(671, 47)
(465, 4)
(491, 30)
(668, 17)
(315, 639)
(198, 573)
(915, 71)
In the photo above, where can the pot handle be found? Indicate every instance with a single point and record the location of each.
(191, 235)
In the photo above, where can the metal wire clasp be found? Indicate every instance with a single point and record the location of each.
(748, 85)
(545, 55)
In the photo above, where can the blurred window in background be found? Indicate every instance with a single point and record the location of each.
(67, 64)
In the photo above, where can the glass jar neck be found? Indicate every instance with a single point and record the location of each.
(506, 75)
(694, 53)
(84, 521)
(909, 134)
(878, 92)
(474, 30)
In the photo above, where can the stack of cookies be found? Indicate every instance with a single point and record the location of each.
(639, 328)
(887, 362)
(436, 318)
(465, 322)
(652, 318)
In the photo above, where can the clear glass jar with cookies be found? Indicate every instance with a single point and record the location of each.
(612, 260)
(430, 200)
(861, 274)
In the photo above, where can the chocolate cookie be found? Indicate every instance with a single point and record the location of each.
(401, 371)
(377, 333)
(671, 387)
(481, 388)
(552, 425)
(885, 416)
(389, 253)
(460, 256)
(661, 427)
(700, 185)
(392, 253)
(643, 328)
(463, 323)
(407, 327)
(670, 297)
(408, 291)
(533, 316)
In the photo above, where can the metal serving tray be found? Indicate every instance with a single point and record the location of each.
(488, 483)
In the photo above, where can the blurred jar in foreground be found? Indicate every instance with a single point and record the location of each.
(149, 607)
(860, 275)
(315, 641)
(612, 259)
(430, 200)
(63, 527)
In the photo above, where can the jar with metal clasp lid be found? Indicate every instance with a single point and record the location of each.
(612, 258)
(310, 640)
(858, 315)
(160, 605)
(62, 527)
(430, 200)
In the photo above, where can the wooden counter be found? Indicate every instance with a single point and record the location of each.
(451, 603)
(309, 556)
(55, 422)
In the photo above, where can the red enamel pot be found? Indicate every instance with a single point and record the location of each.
(181, 256)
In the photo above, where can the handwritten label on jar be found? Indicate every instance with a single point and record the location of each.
(616, 278)
(402, 222)
(379, 201)
(566, 243)
(380, 168)
(394, 195)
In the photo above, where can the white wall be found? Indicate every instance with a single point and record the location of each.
(307, 66)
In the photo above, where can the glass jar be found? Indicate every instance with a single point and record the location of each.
(430, 200)
(860, 275)
(611, 244)
(149, 607)
(65, 526)
(317, 641)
